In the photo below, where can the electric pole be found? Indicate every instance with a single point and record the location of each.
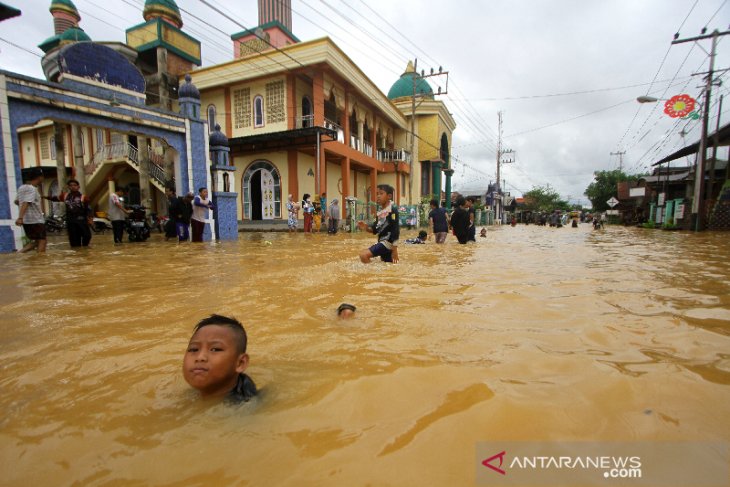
(500, 160)
(698, 210)
(620, 155)
(416, 77)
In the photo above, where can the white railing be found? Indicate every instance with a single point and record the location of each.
(329, 124)
(386, 155)
(354, 142)
(127, 151)
(368, 149)
(304, 121)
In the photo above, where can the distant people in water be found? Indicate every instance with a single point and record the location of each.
(483, 233)
(216, 359)
(346, 311)
(421, 239)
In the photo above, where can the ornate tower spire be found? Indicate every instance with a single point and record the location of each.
(275, 10)
(65, 16)
(166, 10)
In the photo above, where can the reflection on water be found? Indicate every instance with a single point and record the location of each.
(532, 334)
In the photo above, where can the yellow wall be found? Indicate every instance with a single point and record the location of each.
(257, 87)
(217, 98)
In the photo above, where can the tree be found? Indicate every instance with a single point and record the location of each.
(544, 198)
(604, 187)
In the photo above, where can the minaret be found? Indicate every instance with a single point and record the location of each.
(275, 10)
(273, 31)
(65, 16)
(189, 99)
(165, 51)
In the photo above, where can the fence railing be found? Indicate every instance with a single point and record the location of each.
(125, 150)
(386, 155)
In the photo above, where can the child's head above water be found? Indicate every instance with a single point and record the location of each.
(216, 355)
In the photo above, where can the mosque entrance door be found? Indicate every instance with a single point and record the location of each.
(261, 192)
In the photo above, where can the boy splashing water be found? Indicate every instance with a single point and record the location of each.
(385, 227)
(216, 359)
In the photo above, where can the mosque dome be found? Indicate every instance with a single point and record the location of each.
(166, 9)
(74, 35)
(65, 6)
(404, 86)
(218, 138)
(188, 90)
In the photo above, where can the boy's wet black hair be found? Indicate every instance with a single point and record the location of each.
(435, 203)
(231, 323)
(422, 234)
(388, 189)
(460, 201)
(72, 181)
(345, 306)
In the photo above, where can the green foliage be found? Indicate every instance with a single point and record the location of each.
(649, 224)
(544, 198)
(604, 186)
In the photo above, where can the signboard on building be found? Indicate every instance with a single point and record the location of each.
(612, 212)
(637, 192)
(660, 199)
(612, 202)
(679, 213)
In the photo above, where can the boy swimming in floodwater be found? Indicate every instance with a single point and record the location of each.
(216, 359)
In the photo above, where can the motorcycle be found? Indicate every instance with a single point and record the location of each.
(55, 223)
(100, 222)
(137, 227)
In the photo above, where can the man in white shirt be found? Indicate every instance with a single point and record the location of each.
(201, 205)
(117, 214)
(31, 216)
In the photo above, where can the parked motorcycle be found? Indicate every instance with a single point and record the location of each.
(55, 224)
(137, 227)
(100, 222)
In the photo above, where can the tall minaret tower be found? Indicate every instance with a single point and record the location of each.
(275, 10)
(273, 31)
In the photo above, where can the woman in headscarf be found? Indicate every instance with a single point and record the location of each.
(293, 209)
(308, 208)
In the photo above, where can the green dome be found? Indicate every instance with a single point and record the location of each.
(162, 8)
(404, 85)
(74, 35)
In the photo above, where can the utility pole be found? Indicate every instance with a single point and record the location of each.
(500, 161)
(620, 155)
(698, 210)
(416, 77)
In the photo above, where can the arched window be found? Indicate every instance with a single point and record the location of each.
(307, 117)
(99, 138)
(211, 118)
(258, 111)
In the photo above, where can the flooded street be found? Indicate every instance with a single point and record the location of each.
(533, 333)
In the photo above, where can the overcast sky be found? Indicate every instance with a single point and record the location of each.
(595, 56)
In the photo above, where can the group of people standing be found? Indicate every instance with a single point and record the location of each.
(314, 210)
(185, 212)
(461, 221)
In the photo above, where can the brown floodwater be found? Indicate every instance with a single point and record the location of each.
(531, 334)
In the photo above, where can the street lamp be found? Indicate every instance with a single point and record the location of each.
(681, 106)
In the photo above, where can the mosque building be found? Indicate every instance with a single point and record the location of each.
(302, 118)
(282, 117)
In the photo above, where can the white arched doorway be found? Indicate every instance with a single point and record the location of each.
(261, 192)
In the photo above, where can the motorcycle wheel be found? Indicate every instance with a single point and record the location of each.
(132, 237)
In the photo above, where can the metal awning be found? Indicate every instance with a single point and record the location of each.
(657, 178)
(723, 139)
(287, 139)
(8, 12)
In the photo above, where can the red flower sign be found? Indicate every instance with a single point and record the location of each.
(679, 106)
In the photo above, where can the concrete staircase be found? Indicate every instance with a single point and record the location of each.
(125, 152)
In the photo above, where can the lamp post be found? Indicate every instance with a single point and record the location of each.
(678, 106)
